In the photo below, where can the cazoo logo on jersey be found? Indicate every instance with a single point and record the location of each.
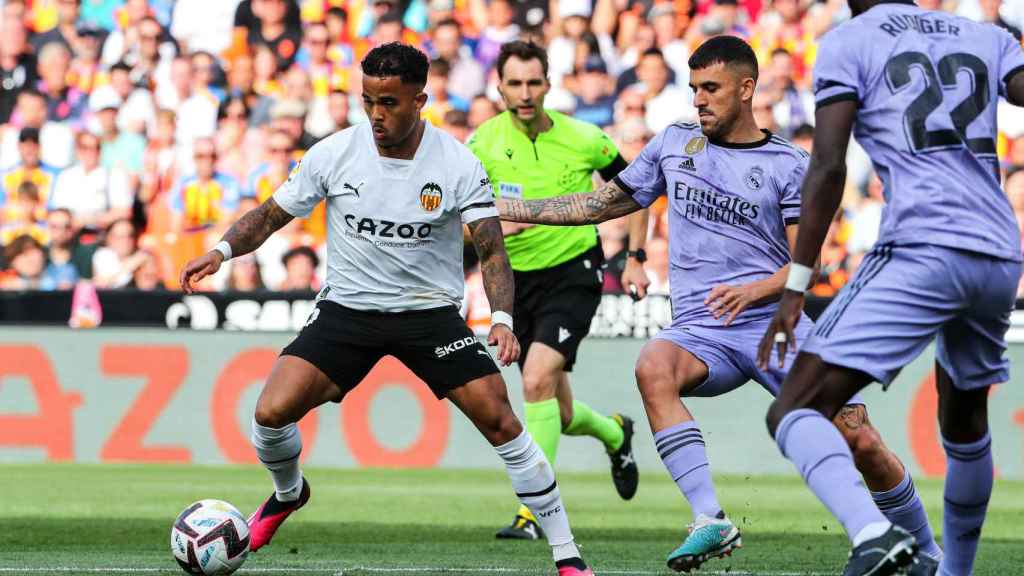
(442, 351)
(387, 228)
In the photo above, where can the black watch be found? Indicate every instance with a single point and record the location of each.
(639, 254)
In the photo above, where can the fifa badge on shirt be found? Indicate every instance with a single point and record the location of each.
(510, 190)
(430, 196)
(696, 144)
(754, 178)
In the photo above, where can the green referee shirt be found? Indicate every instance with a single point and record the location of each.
(562, 160)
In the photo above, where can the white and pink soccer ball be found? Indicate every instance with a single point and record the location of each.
(210, 538)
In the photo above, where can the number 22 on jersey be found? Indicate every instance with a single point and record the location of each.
(939, 79)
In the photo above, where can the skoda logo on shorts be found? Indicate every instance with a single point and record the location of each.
(430, 196)
(754, 178)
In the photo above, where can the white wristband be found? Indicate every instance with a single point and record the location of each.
(499, 317)
(799, 277)
(224, 248)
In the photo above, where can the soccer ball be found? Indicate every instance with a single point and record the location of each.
(210, 538)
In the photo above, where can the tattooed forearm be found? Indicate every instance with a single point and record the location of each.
(253, 229)
(497, 273)
(606, 203)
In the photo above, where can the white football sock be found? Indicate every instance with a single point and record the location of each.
(279, 449)
(534, 483)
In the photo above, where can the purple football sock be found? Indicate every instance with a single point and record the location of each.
(822, 457)
(969, 475)
(682, 450)
(902, 506)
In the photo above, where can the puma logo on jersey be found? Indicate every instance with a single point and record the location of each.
(354, 189)
(563, 335)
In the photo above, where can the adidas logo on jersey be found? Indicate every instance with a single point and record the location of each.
(688, 165)
(442, 351)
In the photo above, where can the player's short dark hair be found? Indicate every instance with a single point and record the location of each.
(397, 59)
(524, 51)
(727, 50)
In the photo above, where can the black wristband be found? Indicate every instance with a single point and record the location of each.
(639, 254)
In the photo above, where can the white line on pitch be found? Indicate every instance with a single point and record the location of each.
(378, 570)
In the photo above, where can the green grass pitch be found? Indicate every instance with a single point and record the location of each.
(84, 519)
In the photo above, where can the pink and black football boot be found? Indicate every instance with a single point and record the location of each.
(265, 521)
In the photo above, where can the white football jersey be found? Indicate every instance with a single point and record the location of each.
(394, 227)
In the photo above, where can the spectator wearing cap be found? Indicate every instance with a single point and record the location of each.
(17, 65)
(95, 195)
(595, 102)
(466, 77)
(289, 116)
(56, 138)
(666, 103)
(206, 199)
(86, 72)
(66, 30)
(30, 169)
(300, 264)
(121, 150)
(64, 103)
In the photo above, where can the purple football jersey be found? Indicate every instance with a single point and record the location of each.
(729, 205)
(926, 85)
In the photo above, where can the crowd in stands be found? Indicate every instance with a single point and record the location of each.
(133, 132)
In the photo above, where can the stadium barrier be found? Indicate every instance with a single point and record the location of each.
(144, 395)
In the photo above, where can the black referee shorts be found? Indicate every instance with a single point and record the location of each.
(556, 305)
(435, 344)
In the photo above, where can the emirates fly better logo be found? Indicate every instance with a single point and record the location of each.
(430, 196)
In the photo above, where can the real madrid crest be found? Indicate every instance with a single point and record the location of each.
(696, 144)
(430, 196)
(754, 178)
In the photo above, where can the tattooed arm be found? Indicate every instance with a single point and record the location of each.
(607, 202)
(494, 266)
(253, 229)
(244, 236)
(498, 283)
